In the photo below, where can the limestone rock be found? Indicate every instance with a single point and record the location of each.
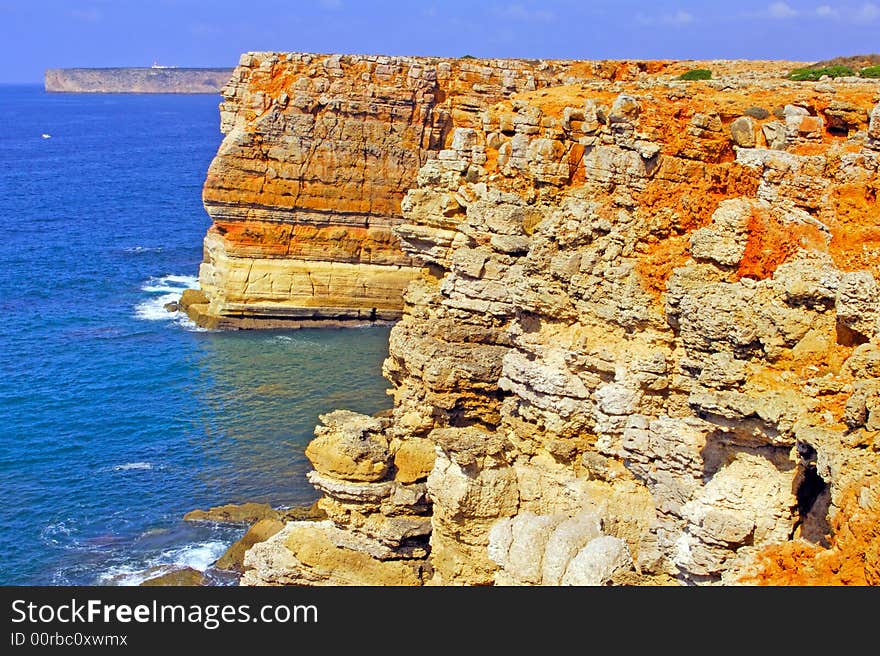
(874, 127)
(350, 446)
(597, 562)
(743, 131)
(414, 460)
(633, 345)
(774, 134)
(534, 549)
(233, 558)
(858, 303)
(186, 576)
(245, 513)
(342, 566)
(844, 116)
(625, 108)
(724, 242)
(303, 553)
(567, 539)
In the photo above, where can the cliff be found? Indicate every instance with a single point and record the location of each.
(640, 335)
(136, 80)
(319, 152)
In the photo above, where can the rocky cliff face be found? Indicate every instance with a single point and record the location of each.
(306, 188)
(136, 80)
(642, 345)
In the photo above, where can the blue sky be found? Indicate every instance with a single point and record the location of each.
(40, 34)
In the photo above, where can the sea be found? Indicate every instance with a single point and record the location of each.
(116, 416)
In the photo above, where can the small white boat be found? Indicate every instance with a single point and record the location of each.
(46, 136)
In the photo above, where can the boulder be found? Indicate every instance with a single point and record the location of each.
(244, 513)
(350, 446)
(233, 559)
(743, 131)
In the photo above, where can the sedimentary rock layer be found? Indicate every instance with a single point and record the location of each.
(319, 151)
(136, 80)
(644, 347)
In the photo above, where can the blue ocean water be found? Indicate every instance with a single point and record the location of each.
(116, 417)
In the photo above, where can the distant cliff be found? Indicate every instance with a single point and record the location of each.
(137, 80)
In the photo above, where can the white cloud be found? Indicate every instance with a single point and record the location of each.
(825, 11)
(679, 18)
(781, 10)
(868, 12)
(519, 12)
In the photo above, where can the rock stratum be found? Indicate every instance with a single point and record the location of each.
(639, 341)
(136, 80)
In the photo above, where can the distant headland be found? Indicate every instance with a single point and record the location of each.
(155, 79)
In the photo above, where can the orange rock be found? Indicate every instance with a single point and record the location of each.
(853, 557)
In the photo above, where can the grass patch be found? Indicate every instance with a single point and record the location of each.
(813, 74)
(870, 71)
(696, 74)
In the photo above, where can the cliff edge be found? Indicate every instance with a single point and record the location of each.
(640, 333)
(306, 188)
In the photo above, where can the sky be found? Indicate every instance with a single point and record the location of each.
(40, 34)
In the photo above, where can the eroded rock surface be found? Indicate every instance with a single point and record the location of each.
(319, 152)
(642, 346)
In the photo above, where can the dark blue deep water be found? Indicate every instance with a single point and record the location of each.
(116, 417)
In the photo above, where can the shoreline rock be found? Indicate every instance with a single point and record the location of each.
(186, 576)
(262, 520)
(231, 513)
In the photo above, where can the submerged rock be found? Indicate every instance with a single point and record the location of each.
(186, 576)
(245, 513)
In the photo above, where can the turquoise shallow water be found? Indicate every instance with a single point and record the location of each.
(117, 417)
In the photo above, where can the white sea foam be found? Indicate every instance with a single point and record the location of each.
(164, 290)
(160, 289)
(56, 533)
(133, 465)
(188, 282)
(199, 556)
(143, 249)
(153, 309)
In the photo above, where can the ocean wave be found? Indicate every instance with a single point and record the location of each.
(56, 533)
(198, 555)
(153, 309)
(164, 290)
(143, 249)
(171, 282)
(128, 466)
(186, 281)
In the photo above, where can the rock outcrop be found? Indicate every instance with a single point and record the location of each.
(641, 344)
(305, 190)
